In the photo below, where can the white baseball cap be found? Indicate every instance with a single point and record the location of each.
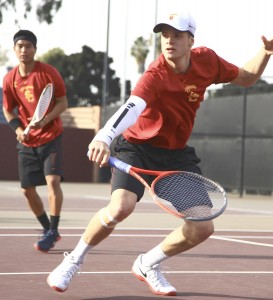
(179, 21)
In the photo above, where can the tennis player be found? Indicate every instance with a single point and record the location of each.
(39, 152)
(151, 131)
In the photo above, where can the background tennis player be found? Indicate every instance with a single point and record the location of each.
(40, 151)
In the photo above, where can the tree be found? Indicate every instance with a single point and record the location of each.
(45, 11)
(83, 76)
(139, 51)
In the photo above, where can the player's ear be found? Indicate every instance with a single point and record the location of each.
(191, 40)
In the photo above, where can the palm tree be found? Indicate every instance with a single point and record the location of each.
(139, 51)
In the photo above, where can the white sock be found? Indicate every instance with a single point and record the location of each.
(81, 250)
(154, 256)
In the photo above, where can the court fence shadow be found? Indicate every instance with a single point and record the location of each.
(185, 296)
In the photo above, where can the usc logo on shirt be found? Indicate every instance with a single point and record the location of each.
(28, 92)
(190, 90)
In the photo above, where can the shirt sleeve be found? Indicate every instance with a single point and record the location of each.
(226, 70)
(146, 87)
(8, 100)
(56, 78)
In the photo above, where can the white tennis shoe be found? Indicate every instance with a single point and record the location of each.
(153, 277)
(60, 278)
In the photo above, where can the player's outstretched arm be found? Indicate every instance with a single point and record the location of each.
(255, 67)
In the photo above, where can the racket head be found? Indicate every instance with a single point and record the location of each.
(189, 196)
(43, 103)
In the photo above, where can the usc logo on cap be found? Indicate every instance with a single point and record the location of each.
(172, 16)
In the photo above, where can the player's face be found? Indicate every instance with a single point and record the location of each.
(25, 51)
(175, 44)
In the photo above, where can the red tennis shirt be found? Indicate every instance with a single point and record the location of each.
(23, 93)
(173, 99)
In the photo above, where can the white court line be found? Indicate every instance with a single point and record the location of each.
(137, 229)
(250, 211)
(230, 238)
(72, 235)
(240, 241)
(225, 237)
(166, 272)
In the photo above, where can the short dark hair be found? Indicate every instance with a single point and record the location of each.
(25, 35)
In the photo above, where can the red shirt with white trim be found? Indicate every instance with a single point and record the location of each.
(173, 99)
(23, 93)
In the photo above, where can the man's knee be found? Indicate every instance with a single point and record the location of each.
(29, 192)
(53, 181)
(198, 232)
(106, 219)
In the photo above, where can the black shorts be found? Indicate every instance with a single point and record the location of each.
(36, 163)
(152, 158)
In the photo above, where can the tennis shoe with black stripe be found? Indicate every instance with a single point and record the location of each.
(60, 278)
(153, 277)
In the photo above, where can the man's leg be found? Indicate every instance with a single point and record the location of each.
(146, 267)
(122, 204)
(187, 236)
(55, 199)
(55, 194)
(37, 207)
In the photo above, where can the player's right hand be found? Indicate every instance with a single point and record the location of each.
(99, 153)
(20, 136)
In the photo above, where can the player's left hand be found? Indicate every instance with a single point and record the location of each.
(38, 125)
(41, 123)
(268, 45)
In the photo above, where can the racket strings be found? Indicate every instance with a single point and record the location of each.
(190, 194)
(44, 102)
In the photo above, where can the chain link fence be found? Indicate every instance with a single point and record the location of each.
(233, 136)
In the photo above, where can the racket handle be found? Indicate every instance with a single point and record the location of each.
(120, 165)
(27, 130)
(116, 163)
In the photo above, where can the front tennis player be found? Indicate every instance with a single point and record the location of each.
(151, 131)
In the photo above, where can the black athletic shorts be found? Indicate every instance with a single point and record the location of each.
(36, 163)
(152, 158)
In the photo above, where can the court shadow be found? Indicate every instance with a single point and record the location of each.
(59, 251)
(100, 252)
(219, 296)
(185, 296)
(232, 256)
(133, 298)
(207, 256)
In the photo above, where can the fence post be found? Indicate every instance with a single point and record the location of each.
(242, 173)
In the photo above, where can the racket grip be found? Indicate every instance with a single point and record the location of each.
(27, 130)
(120, 165)
(116, 163)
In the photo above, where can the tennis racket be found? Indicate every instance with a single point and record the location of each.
(42, 106)
(185, 195)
